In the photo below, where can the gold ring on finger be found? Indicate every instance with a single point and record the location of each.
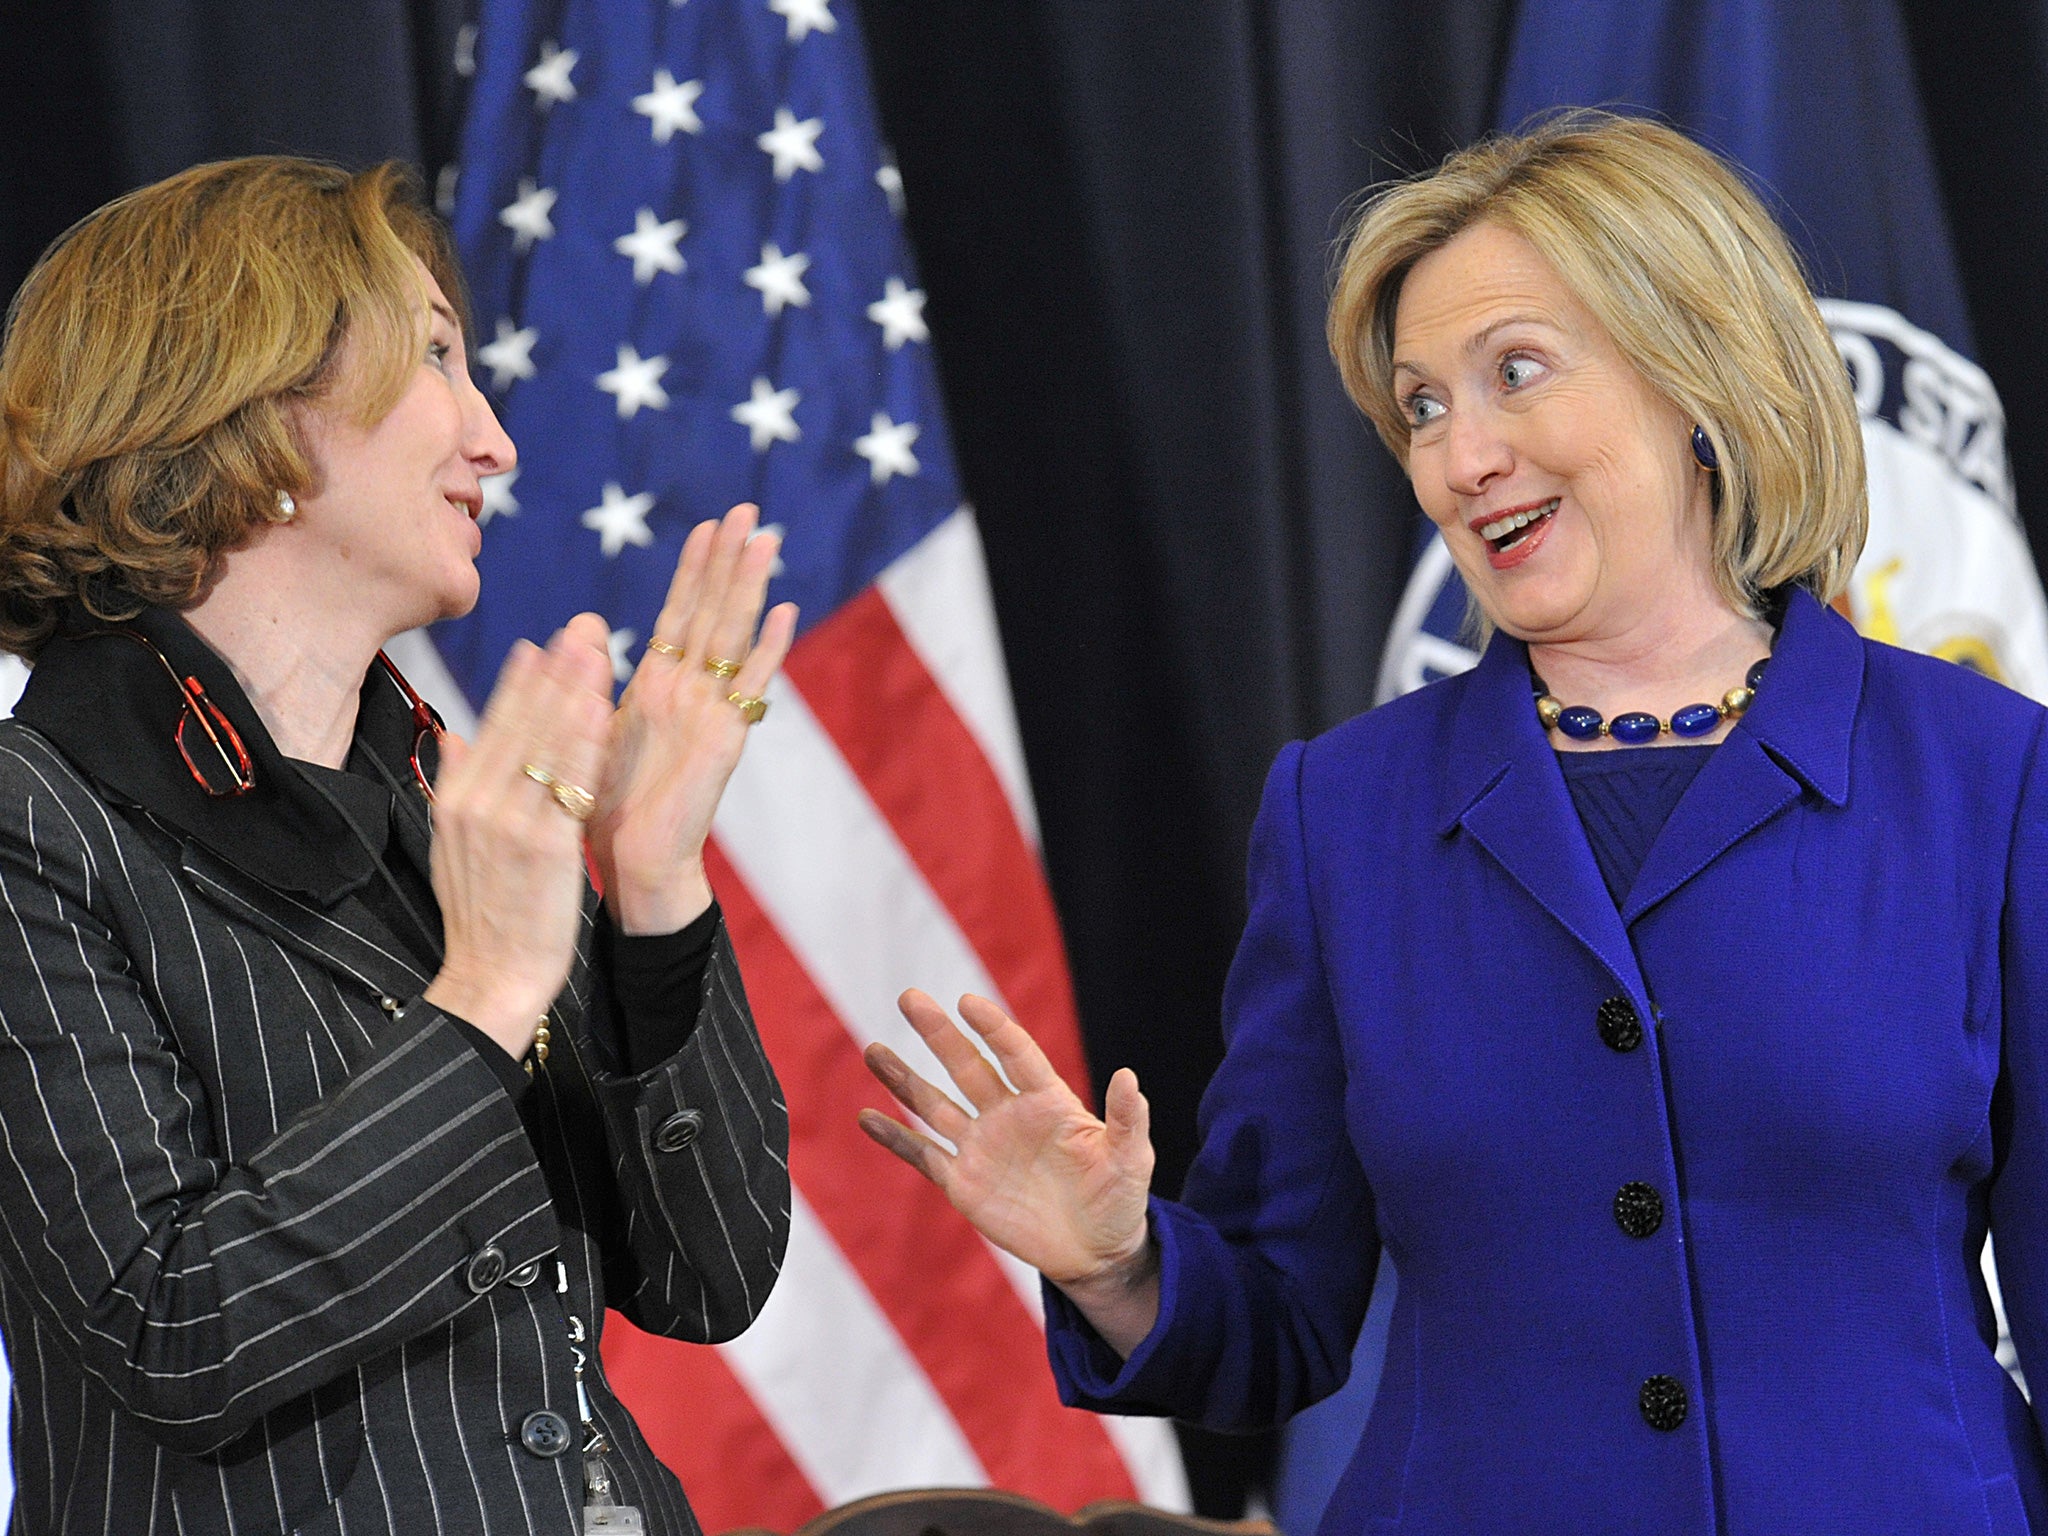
(754, 707)
(720, 668)
(656, 643)
(579, 802)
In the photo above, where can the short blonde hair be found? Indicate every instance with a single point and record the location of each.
(153, 359)
(1692, 278)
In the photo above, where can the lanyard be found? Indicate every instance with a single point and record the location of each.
(602, 1514)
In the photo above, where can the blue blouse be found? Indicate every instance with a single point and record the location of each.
(1623, 798)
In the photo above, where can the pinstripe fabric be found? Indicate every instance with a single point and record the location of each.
(241, 1184)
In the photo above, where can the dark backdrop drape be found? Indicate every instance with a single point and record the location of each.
(1123, 214)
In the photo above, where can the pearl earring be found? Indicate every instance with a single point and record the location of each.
(287, 509)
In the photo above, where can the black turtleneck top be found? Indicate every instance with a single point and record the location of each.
(655, 979)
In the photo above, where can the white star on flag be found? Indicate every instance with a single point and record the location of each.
(619, 642)
(527, 215)
(652, 245)
(780, 279)
(890, 180)
(510, 356)
(549, 79)
(886, 447)
(620, 519)
(769, 416)
(776, 529)
(793, 144)
(805, 17)
(672, 104)
(636, 382)
(498, 498)
(900, 314)
(465, 49)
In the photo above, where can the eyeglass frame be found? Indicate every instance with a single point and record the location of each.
(426, 722)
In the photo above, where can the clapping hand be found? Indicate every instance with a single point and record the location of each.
(682, 722)
(554, 761)
(508, 845)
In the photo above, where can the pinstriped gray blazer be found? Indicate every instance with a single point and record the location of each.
(278, 1252)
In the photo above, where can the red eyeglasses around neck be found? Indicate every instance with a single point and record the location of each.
(234, 772)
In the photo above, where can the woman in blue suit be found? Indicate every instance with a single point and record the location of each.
(1668, 995)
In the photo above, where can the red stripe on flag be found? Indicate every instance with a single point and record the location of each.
(932, 1277)
(701, 1422)
(929, 778)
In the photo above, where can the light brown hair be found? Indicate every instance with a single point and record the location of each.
(1675, 255)
(155, 354)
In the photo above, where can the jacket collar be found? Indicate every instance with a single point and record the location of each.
(1503, 785)
(1795, 739)
(1805, 714)
(111, 707)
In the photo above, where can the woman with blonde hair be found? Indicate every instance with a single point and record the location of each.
(1668, 996)
(335, 1108)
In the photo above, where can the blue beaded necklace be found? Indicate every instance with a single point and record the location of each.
(1638, 726)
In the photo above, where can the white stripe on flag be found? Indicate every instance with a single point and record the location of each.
(1151, 1453)
(835, 1382)
(13, 678)
(939, 593)
(808, 841)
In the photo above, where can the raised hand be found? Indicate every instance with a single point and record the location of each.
(1033, 1169)
(677, 735)
(508, 834)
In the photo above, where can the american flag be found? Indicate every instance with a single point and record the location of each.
(691, 289)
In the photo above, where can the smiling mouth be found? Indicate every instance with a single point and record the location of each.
(1503, 534)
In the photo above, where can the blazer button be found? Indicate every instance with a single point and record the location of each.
(678, 1130)
(1619, 1026)
(525, 1274)
(1662, 1401)
(546, 1433)
(1638, 1209)
(486, 1268)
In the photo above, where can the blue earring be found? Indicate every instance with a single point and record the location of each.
(1703, 450)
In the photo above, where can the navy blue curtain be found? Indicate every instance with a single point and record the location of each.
(1123, 216)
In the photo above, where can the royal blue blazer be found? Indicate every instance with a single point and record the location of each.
(1687, 1198)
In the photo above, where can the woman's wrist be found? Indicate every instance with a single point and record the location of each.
(507, 1014)
(658, 901)
(1130, 1271)
(1120, 1300)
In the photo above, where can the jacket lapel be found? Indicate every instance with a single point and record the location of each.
(1794, 741)
(1505, 790)
(347, 938)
